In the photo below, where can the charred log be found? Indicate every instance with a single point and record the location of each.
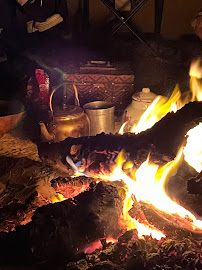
(58, 231)
(177, 186)
(194, 185)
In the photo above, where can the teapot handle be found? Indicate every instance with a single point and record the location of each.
(57, 87)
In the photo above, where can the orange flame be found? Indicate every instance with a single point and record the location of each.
(121, 130)
(196, 69)
(126, 221)
(111, 240)
(195, 82)
(157, 110)
(163, 105)
(147, 184)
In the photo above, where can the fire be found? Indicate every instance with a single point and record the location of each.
(111, 240)
(126, 221)
(195, 80)
(193, 148)
(196, 69)
(151, 177)
(157, 110)
(121, 130)
(147, 184)
(163, 105)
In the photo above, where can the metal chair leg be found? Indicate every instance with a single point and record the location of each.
(122, 20)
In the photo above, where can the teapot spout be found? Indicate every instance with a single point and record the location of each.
(45, 134)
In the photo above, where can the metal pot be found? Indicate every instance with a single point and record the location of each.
(101, 115)
(140, 103)
(70, 121)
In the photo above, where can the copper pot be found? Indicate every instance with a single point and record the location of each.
(70, 121)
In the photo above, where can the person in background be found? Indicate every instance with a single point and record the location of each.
(39, 16)
(43, 19)
(42, 15)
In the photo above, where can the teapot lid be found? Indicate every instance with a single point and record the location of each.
(67, 111)
(144, 96)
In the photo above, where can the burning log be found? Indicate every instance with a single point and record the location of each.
(181, 189)
(164, 137)
(71, 187)
(58, 231)
(170, 224)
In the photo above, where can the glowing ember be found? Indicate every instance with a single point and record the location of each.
(111, 240)
(58, 198)
(92, 247)
(193, 148)
(157, 110)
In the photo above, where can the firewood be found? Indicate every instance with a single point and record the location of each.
(170, 224)
(194, 185)
(58, 231)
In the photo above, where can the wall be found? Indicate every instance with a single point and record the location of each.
(177, 16)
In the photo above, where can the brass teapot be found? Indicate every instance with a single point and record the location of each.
(69, 121)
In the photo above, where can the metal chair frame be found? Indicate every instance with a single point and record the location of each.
(138, 4)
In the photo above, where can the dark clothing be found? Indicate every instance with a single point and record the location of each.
(7, 13)
(40, 10)
(37, 10)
